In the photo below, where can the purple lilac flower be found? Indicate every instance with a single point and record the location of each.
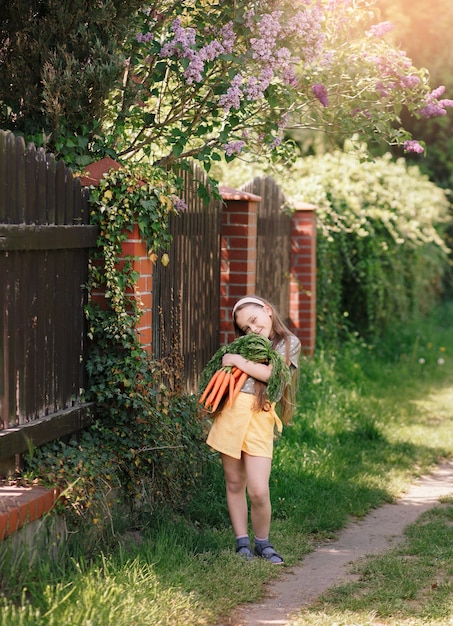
(194, 71)
(223, 45)
(268, 29)
(381, 29)
(382, 90)
(413, 146)
(232, 98)
(269, 25)
(392, 65)
(211, 51)
(227, 37)
(255, 87)
(435, 107)
(233, 147)
(183, 45)
(307, 26)
(410, 81)
(436, 93)
(248, 17)
(261, 49)
(327, 59)
(183, 40)
(289, 76)
(144, 37)
(283, 58)
(179, 204)
(183, 36)
(321, 93)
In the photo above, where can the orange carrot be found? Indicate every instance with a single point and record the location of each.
(221, 391)
(238, 386)
(209, 386)
(220, 378)
(236, 372)
(231, 389)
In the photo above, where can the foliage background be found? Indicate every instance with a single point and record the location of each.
(381, 255)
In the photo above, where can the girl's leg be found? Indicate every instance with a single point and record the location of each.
(257, 472)
(236, 482)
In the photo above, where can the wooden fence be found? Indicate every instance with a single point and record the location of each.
(44, 247)
(273, 247)
(186, 293)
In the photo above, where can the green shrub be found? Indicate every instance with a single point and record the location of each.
(381, 257)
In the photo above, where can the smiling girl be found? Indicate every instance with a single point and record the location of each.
(243, 433)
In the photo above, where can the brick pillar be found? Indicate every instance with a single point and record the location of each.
(238, 260)
(302, 288)
(134, 247)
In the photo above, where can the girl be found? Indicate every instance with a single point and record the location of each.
(244, 432)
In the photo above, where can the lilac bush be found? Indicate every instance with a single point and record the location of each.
(214, 80)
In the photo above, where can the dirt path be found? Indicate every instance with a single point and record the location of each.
(328, 564)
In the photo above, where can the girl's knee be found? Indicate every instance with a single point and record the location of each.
(236, 484)
(259, 497)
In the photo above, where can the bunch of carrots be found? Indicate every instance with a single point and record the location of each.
(218, 381)
(225, 381)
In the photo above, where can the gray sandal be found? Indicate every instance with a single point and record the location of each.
(265, 550)
(244, 549)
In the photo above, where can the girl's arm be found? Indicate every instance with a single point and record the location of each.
(259, 371)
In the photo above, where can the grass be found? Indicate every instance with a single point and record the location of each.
(370, 420)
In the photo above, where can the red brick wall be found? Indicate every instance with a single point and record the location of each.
(302, 288)
(136, 247)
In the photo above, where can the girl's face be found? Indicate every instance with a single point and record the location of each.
(253, 318)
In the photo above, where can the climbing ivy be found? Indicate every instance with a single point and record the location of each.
(144, 197)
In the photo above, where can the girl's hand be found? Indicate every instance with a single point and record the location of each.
(230, 360)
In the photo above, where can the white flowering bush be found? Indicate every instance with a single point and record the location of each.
(381, 252)
(213, 80)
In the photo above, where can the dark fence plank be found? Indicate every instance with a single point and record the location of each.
(3, 165)
(273, 248)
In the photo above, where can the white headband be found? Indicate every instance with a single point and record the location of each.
(247, 300)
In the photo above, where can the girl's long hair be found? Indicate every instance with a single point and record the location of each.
(287, 403)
